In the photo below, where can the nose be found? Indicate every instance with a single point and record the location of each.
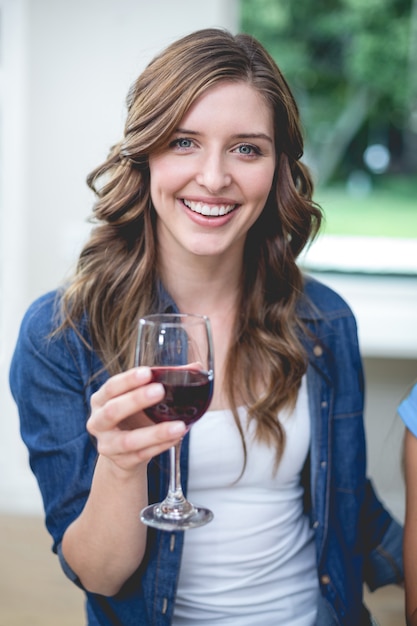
(213, 172)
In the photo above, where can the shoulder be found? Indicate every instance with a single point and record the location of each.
(42, 316)
(67, 352)
(319, 301)
(43, 310)
(330, 320)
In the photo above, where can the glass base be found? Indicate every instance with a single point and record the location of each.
(153, 516)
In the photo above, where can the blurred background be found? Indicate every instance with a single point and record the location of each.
(65, 69)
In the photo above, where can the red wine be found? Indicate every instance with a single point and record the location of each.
(187, 394)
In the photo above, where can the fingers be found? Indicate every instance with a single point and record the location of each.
(121, 396)
(121, 383)
(117, 411)
(140, 445)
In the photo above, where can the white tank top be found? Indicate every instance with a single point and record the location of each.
(254, 564)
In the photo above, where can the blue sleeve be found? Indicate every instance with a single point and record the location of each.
(51, 379)
(408, 411)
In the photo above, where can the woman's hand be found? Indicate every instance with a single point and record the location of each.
(106, 543)
(124, 434)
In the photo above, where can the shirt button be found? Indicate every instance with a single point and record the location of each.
(324, 404)
(316, 524)
(318, 350)
(164, 606)
(325, 579)
(323, 464)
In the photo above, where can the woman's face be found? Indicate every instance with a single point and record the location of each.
(211, 181)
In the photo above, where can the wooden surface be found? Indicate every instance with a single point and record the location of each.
(33, 589)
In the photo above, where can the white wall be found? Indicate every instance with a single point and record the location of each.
(65, 70)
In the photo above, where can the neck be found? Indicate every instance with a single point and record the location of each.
(205, 286)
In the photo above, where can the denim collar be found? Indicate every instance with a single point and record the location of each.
(165, 302)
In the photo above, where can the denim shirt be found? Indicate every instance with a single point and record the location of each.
(52, 380)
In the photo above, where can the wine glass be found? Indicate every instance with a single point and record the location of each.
(178, 349)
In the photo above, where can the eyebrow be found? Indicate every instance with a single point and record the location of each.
(185, 131)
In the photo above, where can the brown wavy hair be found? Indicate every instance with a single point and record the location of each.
(117, 272)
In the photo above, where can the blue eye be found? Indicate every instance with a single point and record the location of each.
(247, 149)
(181, 142)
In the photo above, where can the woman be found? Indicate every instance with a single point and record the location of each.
(408, 412)
(204, 207)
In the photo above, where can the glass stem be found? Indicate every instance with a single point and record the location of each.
(175, 503)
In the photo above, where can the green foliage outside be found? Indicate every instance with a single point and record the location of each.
(352, 65)
(389, 210)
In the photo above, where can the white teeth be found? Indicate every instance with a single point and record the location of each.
(211, 211)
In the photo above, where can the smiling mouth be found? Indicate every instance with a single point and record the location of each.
(210, 210)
